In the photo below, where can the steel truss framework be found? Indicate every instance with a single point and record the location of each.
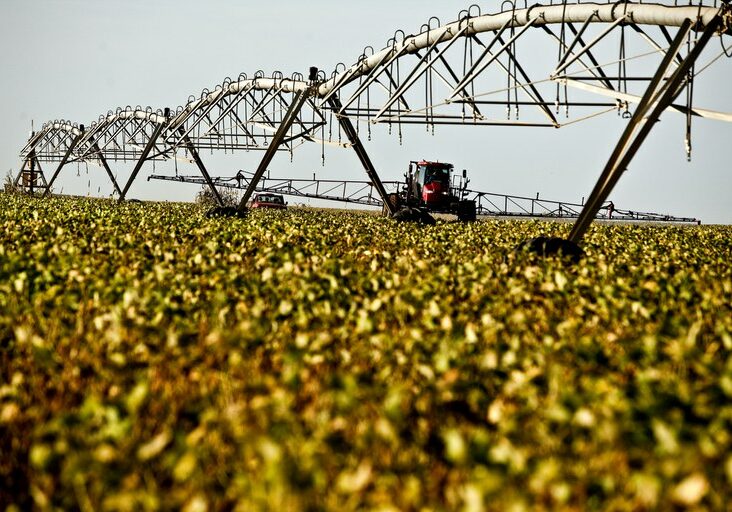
(545, 65)
(364, 193)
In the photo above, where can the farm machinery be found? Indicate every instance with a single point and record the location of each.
(411, 200)
(432, 187)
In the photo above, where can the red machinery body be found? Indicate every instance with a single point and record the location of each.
(433, 186)
(431, 183)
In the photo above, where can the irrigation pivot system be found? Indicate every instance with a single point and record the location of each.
(545, 65)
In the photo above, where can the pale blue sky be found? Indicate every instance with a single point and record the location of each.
(76, 59)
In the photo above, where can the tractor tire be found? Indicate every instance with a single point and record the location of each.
(549, 246)
(466, 211)
(394, 201)
(416, 215)
(224, 211)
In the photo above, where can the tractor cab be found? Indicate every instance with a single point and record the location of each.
(432, 187)
(431, 182)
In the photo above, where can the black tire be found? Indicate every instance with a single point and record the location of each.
(224, 211)
(466, 211)
(416, 215)
(549, 246)
(394, 201)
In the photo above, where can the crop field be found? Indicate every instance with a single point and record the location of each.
(151, 358)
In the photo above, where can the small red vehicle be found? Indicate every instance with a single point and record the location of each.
(268, 200)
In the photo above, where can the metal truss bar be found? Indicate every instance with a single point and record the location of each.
(472, 76)
(312, 189)
(212, 128)
(268, 97)
(586, 48)
(33, 140)
(20, 172)
(627, 146)
(145, 152)
(109, 139)
(595, 71)
(497, 204)
(47, 141)
(551, 103)
(304, 130)
(230, 107)
(204, 115)
(241, 124)
(632, 98)
(466, 99)
(89, 136)
(669, 40)
(57, 139)
(201, 167)
(647, 37)
(64, 160)
(344, 78)
(511, 75)
(420, 69)
(289, 118)
(29, 161)
(363, 156)
(373, 76)
(577, 38)
(594, 62)
(395, 84)
(457, 121)
(43, 178)
(640, 13)
(104, 163)
(536, 94)
(266, 100)
(475, 68)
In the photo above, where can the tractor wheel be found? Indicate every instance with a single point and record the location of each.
(547, 246)
(224, 211)
(394, 201)
(417, 215)
(466, 211)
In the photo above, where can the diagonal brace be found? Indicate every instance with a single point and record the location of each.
(279, 136)
(145, 152)
(64, 160)
(103, 161)
(368, 166)
(196, 158)
(630, 142)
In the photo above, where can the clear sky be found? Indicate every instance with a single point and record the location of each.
(77, 59)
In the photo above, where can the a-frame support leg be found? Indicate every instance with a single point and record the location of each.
(64, 160)
(20, 173)
(145, 153)
(290, 116)
(660, 93)
(29, 167)
(363, 156)
(103, 161)
(197, 158)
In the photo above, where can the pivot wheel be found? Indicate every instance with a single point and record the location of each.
(417, 215)
(466, 211)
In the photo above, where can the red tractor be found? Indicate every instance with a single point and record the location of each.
(432, 187)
